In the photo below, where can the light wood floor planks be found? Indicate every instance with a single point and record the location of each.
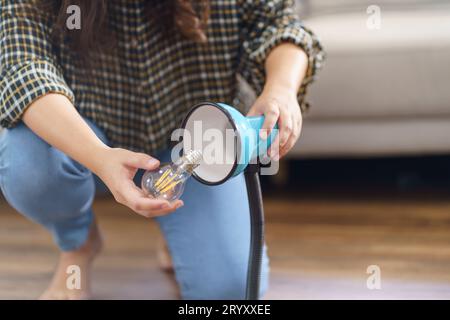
(319, 248)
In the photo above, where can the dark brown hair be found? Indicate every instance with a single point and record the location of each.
(187, 17)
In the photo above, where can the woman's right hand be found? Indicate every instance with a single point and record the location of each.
(117, 168)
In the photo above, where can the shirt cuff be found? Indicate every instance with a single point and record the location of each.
(24, 84)
(301, 36)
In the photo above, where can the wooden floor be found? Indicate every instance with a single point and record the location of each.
(319, 247)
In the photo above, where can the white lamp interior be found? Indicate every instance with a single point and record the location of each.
(209, 130)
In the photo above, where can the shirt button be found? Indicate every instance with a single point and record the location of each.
(141, 87)
(134, 42)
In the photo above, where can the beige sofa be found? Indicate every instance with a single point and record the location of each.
(381, 92)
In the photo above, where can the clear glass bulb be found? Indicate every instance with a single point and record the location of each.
(168, 181)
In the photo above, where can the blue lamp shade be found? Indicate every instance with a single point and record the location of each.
(228, 140)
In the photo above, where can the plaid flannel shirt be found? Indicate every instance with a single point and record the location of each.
(139, 92)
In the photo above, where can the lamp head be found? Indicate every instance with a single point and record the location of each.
(228, 140)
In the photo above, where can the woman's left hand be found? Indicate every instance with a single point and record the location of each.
(279, 105)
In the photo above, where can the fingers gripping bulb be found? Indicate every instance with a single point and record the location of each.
(168, 181)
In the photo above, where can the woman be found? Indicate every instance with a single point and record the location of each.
(104, 99)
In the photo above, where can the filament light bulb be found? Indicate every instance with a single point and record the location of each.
(168, 181)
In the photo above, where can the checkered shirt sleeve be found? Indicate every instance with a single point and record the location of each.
(28, 69)
(266, 24)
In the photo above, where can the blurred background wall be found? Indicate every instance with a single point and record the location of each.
(382, 92)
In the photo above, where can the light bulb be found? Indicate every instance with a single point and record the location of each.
(168, 181)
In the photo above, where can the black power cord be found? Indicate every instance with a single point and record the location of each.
(255, 201)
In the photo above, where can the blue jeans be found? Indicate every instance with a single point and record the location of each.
(208, 237)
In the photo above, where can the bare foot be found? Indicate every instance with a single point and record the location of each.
(83, 258)
(163, 255)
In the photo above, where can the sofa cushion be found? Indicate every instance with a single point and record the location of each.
(367, 138)
(321, 7)
(400, 70)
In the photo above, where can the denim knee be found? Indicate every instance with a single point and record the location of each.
(40, 181)
(228, 283)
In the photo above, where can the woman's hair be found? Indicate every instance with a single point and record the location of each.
(187, 17)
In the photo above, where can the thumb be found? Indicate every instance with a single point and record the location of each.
(254, 111)
(141, 161)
